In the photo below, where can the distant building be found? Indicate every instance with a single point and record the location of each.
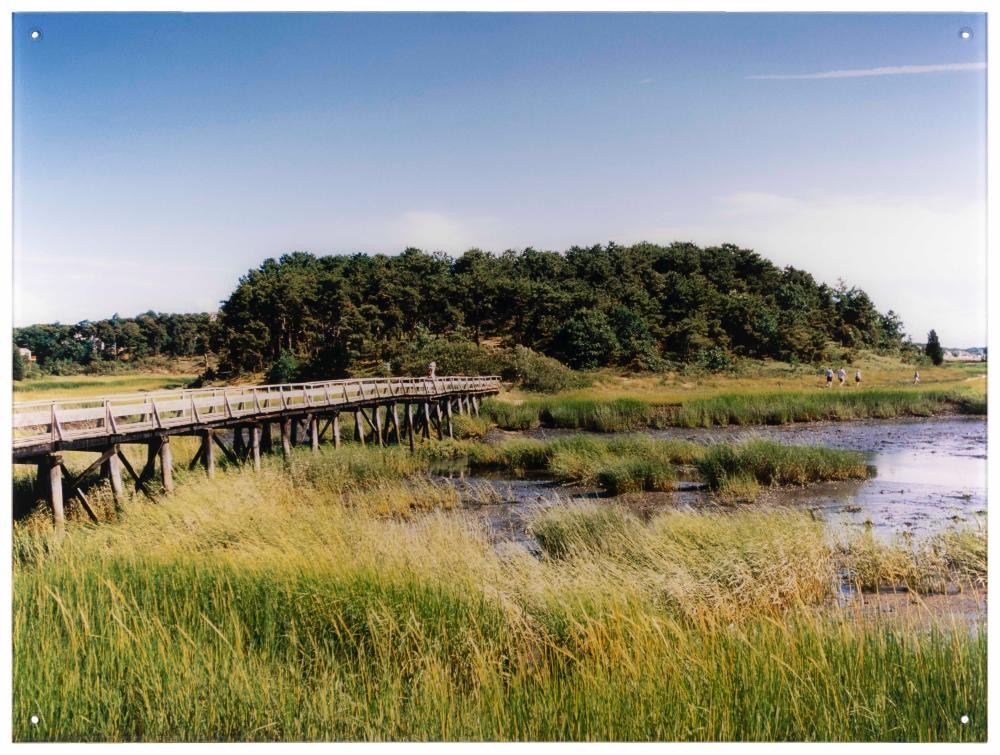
(965, 355)
(26, 355)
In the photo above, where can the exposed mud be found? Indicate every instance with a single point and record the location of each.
(930, 473)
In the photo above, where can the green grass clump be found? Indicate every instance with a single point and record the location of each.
(834, 404)
(510, 416)
(636, 475)
(624, 464)
(770, 463)
(470, 426)
(618, 415)
(750, 408)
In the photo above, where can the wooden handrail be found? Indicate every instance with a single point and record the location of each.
(119, 414)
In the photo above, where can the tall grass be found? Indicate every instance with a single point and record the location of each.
(770, 463)
(263, 607)
(754, 408)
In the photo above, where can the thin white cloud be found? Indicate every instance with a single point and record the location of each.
(856, 73)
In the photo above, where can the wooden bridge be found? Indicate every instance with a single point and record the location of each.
(385, 410)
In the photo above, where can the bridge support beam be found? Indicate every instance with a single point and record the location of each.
(51, 471)
(286, 437)
(447, 411)
(395, 424)
(265, 438)
(208, 452)
(336, 429)
(437, 416)
(255, 447)
(377, 411)
(167, 464)
(427, 420)
(112, 470)
(314, 432)
(359, 430)
(409, 424)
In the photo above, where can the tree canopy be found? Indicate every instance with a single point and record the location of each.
(590, 306)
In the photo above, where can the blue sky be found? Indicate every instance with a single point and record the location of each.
(159, 156)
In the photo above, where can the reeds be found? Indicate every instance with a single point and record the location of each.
(263, 608)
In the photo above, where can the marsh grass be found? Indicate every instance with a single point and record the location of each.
(747, 408)
(732, 467)
(955, 560)
(508, 415)
(264, 608)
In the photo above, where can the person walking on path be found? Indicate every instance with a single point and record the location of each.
(916, 378)
(857, 378)
(842, 376)
(829, 377)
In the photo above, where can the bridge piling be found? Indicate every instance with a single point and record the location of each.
(286, 437)
(314, 432)
(208, 452)
(112, 470)
(167, 464)
(53, 468)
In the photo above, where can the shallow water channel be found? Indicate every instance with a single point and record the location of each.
(930, 476)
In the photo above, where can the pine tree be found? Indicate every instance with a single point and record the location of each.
(933, 348)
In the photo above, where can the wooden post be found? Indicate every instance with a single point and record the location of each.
(409, 424)
(112, 469)
(359, 429)
(238, 444)
(427, 420)
(437, 416)
(336, 429)
(294, 440)
(255, 447)
(166, 465)
(314, 432)
(395, 424)
(286, 437)
(377, 411)
(54, 469)
(447, 410)
(208, 452)
(265, 438)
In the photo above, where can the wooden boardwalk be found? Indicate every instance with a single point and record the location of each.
(385, 410)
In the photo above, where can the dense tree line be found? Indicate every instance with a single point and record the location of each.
(639, 306)
(59, 347)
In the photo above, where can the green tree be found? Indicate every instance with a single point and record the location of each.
(933, 348)
(587, 340)
(17, 364)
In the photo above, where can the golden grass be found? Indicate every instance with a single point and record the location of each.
(78, 386)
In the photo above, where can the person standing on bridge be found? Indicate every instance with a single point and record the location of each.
(432, 370)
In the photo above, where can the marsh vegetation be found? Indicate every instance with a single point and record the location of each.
(340, 596)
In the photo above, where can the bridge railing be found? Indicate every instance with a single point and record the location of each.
(70, 419)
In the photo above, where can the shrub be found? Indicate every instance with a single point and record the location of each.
(285, 369)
